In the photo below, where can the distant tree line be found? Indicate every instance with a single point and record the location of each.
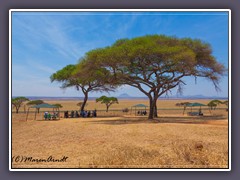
(212, 104)
(17, 102)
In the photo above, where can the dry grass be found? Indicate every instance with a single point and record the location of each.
(171, 141)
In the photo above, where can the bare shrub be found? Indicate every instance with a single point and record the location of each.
(200, 154)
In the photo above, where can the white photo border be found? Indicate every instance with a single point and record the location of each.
(119, 10)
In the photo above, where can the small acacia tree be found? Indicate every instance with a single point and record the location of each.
(225, 102)
(35, 102)
(214, 103)
(18, 101)
(182, 104)
(58, 105)
(82, 78)
(155, 64)
(108, 101)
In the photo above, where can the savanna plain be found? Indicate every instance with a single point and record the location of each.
(117, 139)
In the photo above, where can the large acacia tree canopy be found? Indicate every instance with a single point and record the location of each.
(88, 72)
(65, 76)
(158, 61)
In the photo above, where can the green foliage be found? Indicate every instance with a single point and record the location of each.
(159, 56)
(214, 103)
(155, 64)
(105, 99)
(18, 101)
(108, 101)
(58, 105)
(182, 104)
(225, 102)
(65, 76)
(35, 102)
(85, 77)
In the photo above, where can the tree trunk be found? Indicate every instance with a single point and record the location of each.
(155, 113)
(155, 110)
(17, 108)
(151, 109)
(107, 108)
(84, 101)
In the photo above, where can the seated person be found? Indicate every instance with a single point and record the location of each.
(66, 114)
(45, 115)
(76, 114)
(85, 114)
(72, 114)
(55, 115)
(49, 116)
(88, 113)
(95, 113)
(82, 113)
(200, 113)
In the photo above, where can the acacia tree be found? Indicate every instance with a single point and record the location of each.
(35, 102)
(214, 103)
(225, 103)
(58, 105)
(108, 101)
(82, 78)
(18, 101)
(155, 64)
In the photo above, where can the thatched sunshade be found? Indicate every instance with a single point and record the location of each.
(139, 106)
(44, 105)
(196, 104)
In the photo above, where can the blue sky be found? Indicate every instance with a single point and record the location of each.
(44, 42)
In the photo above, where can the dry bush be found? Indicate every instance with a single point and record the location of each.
(185, 155)
(200, 154)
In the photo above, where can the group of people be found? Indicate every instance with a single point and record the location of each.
(76, 114)
(142, 113)
(49, 116)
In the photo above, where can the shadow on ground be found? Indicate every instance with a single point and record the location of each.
(52, 120)
(138, 120)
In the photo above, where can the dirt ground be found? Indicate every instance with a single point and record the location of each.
(123, 142)
(127, 141)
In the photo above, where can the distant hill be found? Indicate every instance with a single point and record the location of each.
(198, 97)
(124, 95)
